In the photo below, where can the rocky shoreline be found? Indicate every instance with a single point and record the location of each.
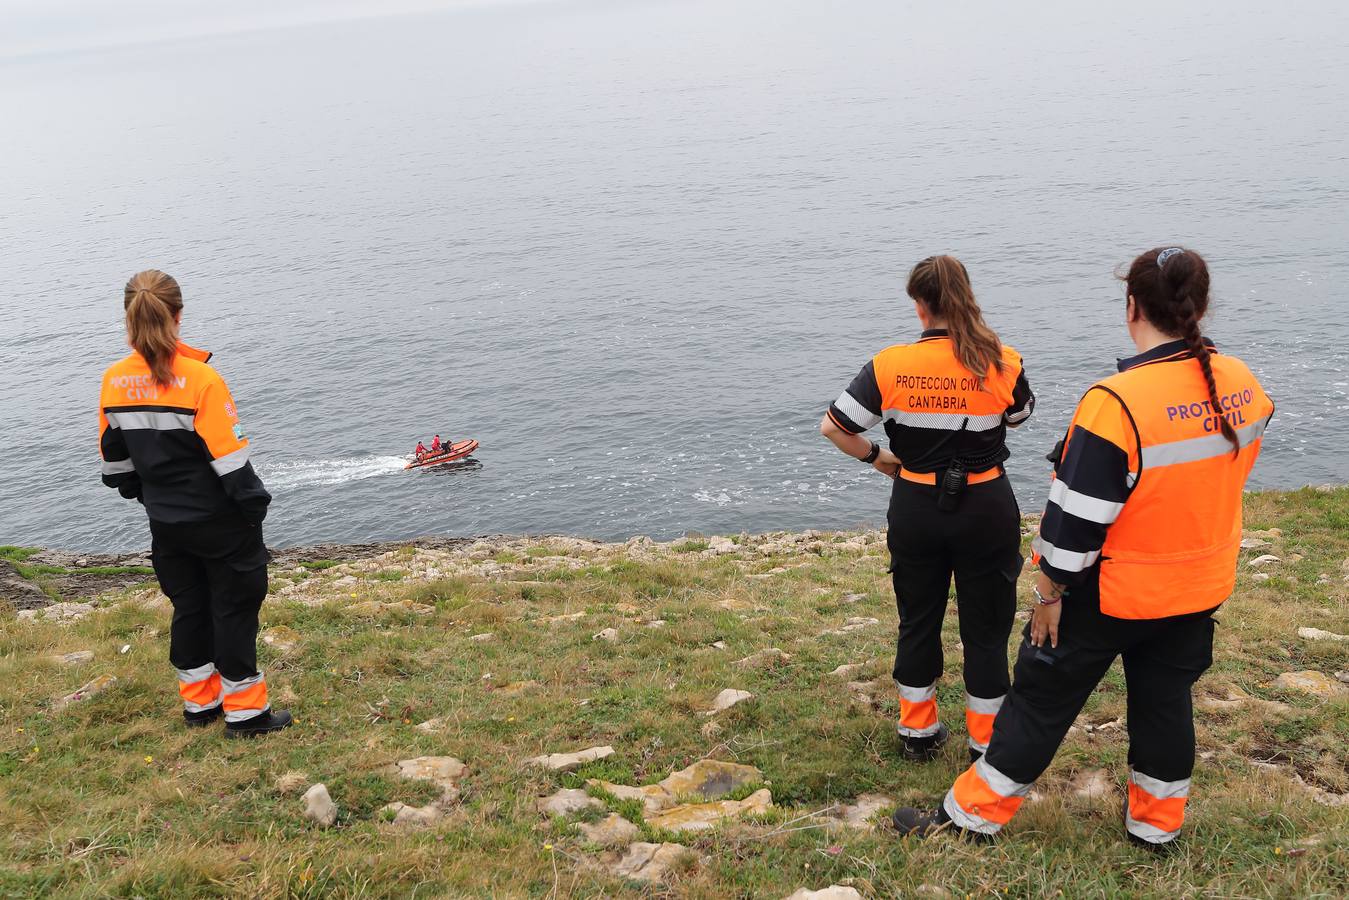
(83, 577)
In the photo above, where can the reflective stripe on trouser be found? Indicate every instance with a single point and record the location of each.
(199, 687)
(245, 699)
(983, 799)
(979, 716)
(917, 710)
(1156, 808)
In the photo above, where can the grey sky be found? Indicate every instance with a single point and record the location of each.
(39, 26)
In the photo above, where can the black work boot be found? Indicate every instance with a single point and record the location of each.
(201, 718)
(262, 723)
(924, 823)
(922, 749)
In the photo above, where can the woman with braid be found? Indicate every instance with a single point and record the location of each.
(1137, 549)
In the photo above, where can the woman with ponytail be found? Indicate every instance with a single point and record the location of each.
(1137, 549)
(946, 402)
(170, 438)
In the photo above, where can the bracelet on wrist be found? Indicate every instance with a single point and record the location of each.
(1040, 598)
(871, 456)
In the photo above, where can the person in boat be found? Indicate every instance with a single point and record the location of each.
(436, 445)
(421, 450)
(170, 438)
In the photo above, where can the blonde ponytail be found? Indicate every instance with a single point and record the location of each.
(942, 285)
(153, 300)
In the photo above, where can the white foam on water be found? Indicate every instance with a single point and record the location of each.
(302, 473)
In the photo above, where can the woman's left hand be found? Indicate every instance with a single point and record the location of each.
(1044, 622)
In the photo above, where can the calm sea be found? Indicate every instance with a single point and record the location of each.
(635, 248)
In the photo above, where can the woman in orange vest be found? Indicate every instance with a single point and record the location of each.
(170, 438)
(946, 401)
(1137, 548)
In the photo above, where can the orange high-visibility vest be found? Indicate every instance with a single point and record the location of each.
(1172, 546)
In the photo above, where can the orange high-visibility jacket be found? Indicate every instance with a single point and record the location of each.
(1147, 493)
(934, 410)
(179, 449)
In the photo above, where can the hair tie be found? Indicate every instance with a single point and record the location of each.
(1167, 254)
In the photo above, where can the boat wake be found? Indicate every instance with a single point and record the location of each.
(303, 473)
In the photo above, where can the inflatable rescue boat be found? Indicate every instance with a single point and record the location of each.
(449, 453)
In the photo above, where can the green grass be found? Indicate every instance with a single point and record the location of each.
(16, 554)
(113, 797)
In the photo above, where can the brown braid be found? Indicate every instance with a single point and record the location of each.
(1174, 297)
(1189, 324)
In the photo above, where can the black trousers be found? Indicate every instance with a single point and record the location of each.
(215, 574)
(1163, 658)
(980, 544)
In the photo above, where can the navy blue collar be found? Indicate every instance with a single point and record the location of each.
(933, 333)
(1161, 353)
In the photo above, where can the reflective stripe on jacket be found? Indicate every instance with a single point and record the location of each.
(1147, 494)
(178, 449)
(934, 410)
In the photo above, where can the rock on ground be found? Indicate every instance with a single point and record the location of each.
(1316, 634)
(566, 762)
(442, 771)
(1264, 560)
(567, 801)
(764, 659)
(833, 892)
(608, 634)
(482, 638)
(652, 796)
(18, 591)
(75, 658)
(847, 670)
(1091, 784)
(1318, 684)
(91, 688)
(854, 623)
(611, 831)
(862, 812)
(431, 726)
(61, 613)
(319, 806)
(709, 779)
(650, 862)
(281, 638)
(726, 699)
(405, 816)
(701, 816)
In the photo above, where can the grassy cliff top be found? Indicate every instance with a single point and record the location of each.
(499, 651)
